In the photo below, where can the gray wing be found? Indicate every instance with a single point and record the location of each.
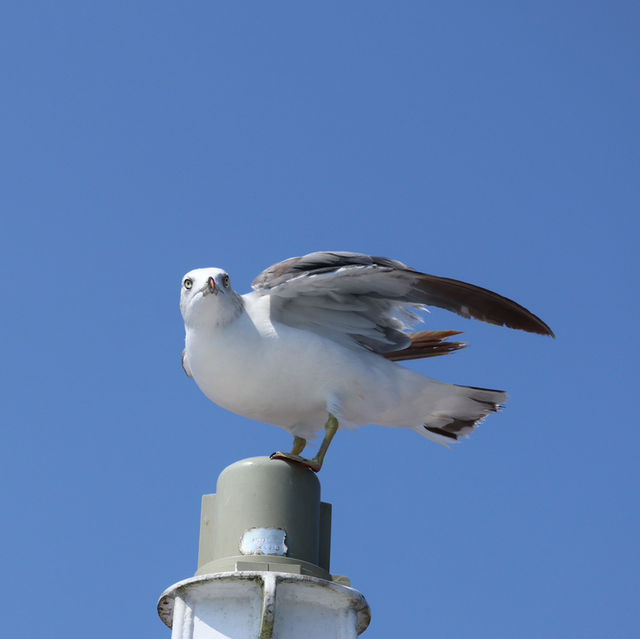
(369, 300)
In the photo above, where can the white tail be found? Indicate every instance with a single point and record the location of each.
(459, 412)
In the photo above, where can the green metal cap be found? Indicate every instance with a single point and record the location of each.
(266, 515)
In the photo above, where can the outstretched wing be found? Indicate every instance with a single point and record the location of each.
(369, 300)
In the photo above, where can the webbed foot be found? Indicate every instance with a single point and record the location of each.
(331, 428)
(313, 464)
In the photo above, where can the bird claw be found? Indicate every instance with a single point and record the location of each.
(296, 459)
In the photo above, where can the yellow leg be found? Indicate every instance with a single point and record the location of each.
(331, 428)
(298, 445)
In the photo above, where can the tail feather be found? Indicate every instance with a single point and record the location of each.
(461, 413)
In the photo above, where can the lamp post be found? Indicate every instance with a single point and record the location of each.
(263, 564)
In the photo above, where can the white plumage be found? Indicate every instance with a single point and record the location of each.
(317, 336)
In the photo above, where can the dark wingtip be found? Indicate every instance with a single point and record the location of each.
(513, 315)
(480, 303)
(541, 328)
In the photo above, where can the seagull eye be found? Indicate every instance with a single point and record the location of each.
(225, 281)
(188, 283)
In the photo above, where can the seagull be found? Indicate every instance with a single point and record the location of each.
(316, 343)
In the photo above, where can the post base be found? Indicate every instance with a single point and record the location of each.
(267, 605)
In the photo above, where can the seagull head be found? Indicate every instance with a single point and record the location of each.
(206, 296)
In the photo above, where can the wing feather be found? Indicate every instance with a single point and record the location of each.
(371, 301)
(427, 344)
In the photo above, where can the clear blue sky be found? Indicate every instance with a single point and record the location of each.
(491, 142)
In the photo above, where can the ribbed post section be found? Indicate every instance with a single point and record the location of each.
(263, 565)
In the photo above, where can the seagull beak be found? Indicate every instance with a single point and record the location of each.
(210, 287)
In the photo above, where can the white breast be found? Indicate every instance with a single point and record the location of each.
(291, 378)
(275, 374)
